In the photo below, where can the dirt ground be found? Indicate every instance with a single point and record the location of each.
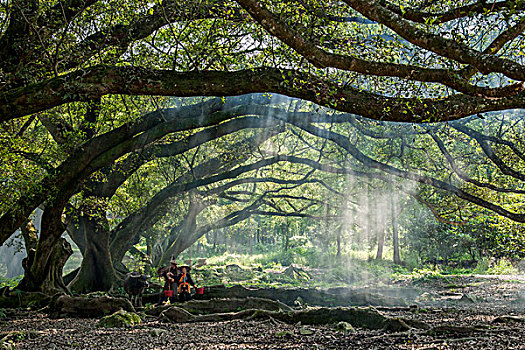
(460, 312)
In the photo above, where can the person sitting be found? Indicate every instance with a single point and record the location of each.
(184, 282)
(169, 274)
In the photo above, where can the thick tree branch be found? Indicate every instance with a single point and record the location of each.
(322, 59)
(476, 8)
(343, 142)
(442, 46)
(465, 177)
(98, 81)
(482, 140)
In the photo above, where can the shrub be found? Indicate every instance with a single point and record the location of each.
(502, 267)
(482, 266)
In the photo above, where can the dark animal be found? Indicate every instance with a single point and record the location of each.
(134, 285)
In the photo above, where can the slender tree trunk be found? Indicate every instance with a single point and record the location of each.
(338, 255)
(252, 240)
(395, 232)
(380, 228)
(380, 244)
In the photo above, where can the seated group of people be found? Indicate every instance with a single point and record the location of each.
(178, 280)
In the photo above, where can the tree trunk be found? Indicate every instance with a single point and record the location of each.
(338, 254)
(96, 271)
(50, 280)
(395, 233)
(380, 244)
(43, 266)
(186, 231)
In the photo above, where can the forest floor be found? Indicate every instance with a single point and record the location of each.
(461, 312)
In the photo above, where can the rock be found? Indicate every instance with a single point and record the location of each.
(89, 307)
(507, 319)
(305, 331)
(201, 262)
(296, 273)
(157, 332)
(425, 297)
(119, 319)
(468, 298)
(284, 334)
(233, 269)
(344, 327)
(176, 314)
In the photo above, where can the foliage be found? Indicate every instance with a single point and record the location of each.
(10, 282)
(94, 125)
(502, 267)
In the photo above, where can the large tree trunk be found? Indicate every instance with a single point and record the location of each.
(46, 276)
(96, 271)
(43, 266)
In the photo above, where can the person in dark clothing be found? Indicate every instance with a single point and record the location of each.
(169, 274)
(184, 282)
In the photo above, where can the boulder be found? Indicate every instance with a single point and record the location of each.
(119, 319)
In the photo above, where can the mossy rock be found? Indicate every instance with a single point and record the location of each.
(344, 327)
(119, 319)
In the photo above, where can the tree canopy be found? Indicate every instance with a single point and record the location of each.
(414, 62)
(162, 121)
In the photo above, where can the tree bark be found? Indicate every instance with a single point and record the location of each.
(96, 271)
(50, 280)
(395, 233)
(380, 244)
(43, 266)
(338, 254)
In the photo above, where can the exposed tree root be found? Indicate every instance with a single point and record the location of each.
(357, 317)
(312, 296)
(88, 307)
(224, 305)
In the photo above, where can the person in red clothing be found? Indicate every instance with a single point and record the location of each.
(169, 274)
(184, 282)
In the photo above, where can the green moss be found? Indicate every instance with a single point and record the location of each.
(119, 319)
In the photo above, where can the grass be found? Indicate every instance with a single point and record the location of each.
(265, 270)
